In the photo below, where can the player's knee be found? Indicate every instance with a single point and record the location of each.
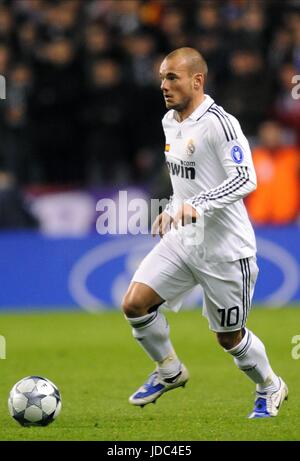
(132, 306)
(129, 307)
(230, 339)
(140, 300)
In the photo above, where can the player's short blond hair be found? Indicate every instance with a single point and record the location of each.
(194, 60)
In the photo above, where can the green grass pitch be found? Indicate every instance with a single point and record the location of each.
(96, 364)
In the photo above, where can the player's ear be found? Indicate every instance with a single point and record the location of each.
(198, 80)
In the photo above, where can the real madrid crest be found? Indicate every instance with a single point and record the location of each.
(190, 148)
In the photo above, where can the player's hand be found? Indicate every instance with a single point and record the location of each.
(185, 215)
(162, 224)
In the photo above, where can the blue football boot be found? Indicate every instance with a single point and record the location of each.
(155, 386)
(267, 404)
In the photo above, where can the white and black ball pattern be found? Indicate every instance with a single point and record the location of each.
(34, 401)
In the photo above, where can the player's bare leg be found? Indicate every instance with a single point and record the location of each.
(250, 356)
(151, 329)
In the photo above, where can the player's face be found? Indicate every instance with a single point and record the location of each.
(176, 84)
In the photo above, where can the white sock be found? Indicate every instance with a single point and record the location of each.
(152, 332)
(250, 356)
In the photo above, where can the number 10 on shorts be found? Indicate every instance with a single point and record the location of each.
(229, 317)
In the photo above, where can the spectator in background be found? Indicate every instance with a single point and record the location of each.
(5, 58)
(173, 27)
(296, 48)
(123, 17)
(141, 49)
(26, 41)
(287, 109)
(208, 19)
(18, 146)
(292, 23)
(97, 44)
(211, 45)
(6, 25)
(97, 41)
(14, 212)
(280, 50)
(248, 89)
(232, 16)
(106, 117)
(209, 38)
(29, 10)
(151, 11)
(60, 20)
(277, 197)
(148, 138)
(253, 28)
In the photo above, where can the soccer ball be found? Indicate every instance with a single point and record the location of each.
(34, 401)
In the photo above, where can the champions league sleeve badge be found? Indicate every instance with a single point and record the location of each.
(237, 154)
(190, 148)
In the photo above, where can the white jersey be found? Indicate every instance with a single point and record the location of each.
(211, 168)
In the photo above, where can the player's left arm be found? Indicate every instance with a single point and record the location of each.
(236, 159)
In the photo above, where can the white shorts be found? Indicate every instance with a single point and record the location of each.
(228, 286)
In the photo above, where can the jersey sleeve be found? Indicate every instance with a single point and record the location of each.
(231, 148)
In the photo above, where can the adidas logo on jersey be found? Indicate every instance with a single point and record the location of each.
(184, 170)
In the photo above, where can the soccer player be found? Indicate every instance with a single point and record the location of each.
(211, 170)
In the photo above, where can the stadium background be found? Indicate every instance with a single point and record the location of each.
(82, 120)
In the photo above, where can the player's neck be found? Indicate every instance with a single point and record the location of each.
(182, 115)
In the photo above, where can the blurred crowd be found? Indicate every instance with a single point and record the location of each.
(83, 104)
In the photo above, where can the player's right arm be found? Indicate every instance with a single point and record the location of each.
(162, 223)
